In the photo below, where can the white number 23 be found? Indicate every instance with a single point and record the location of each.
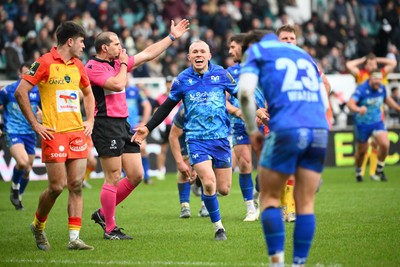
(291, 81)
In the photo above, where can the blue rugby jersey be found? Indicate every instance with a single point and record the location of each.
(291, 85)
(203, 97)
(260, 100)
(14, 120)
(134, 101)
(365, 95)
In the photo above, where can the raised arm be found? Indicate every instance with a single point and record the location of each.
(388, 64)
(156, 49)
(352, 65)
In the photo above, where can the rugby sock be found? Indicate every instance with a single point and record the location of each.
(359, 171)
(88, 172)
(74, 226)
(39, 223)
(303, 235)
(289, 197)
(274, 230)
(379, 166)
(146, 166)
(257, 187)
(184, 192)
(212, 206)
(124, 188)
(246, 185)
(22, 185)
(16, 177)
(108, 202)
(365, 161)
(373, 160)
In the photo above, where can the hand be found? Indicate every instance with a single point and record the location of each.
(44, 132)
(257, 142)
(88, 125)
(362, 110)
(263, 115)
(184, 169)
(178, 30)
(140, 134)
(123, 56)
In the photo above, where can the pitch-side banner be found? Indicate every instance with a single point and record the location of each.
(340, 153)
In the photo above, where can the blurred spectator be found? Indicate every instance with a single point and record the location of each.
(222, 21)
(322, 47)
(30, 46)
(72, 10)
(39, 7)
(365, 43)
(10, 6)
(14, 57)
(44, 41)
(174, 10)
(7, 34)
(368, 10)
(22, 24)
(247, 17)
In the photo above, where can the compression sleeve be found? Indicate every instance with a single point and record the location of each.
(161, 113)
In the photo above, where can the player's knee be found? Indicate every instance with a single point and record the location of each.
(55, 190)
(224, 190)
(75, 186)
(24, 165)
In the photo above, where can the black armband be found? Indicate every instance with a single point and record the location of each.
(161, 113)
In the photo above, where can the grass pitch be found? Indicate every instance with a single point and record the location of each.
(357, 225)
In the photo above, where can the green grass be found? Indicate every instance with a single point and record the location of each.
(357, 225)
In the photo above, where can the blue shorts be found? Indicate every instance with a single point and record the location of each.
(363, 132)
(240, 136)
(217, 150)
(28, 140)
(286, 150)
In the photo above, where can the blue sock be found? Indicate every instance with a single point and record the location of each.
(303, 235)
(246, 185)
(202, 192)
(257, 187)
(17, 175)
(146, 166)
(211, 203)
(22, 185)
(184, 192)
(274, 230)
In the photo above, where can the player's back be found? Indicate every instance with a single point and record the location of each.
(291, 84)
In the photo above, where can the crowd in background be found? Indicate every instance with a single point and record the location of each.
(337, 30)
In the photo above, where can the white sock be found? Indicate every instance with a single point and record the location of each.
(185, 205)
(73, 235)
(277, 260)
(250, 205)
(218, 225)
(15, 186)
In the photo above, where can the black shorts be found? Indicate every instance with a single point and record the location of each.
(112, 137)
(165, 134)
